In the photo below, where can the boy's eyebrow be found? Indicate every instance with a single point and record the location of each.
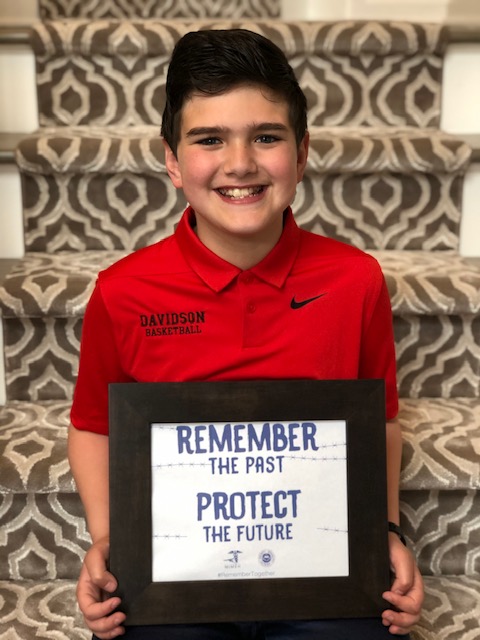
(202, 131)
(211, 131)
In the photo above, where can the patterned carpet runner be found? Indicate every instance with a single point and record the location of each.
(381, 176)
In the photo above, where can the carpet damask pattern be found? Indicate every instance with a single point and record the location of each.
(436, 356)
(53, 9)
(107, 73)
(435, 298)
(42, 520)
(84, 190)
(40, 610)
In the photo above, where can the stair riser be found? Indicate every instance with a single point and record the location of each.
(127, 211)
(451, 609)
(44, 536)
(98, 211)
(100, 73)
(41, 357)
(445, 528)
(414, 211)
(34, 610)
(438, 356)
(53, 9)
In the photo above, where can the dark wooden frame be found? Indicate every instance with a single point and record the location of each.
(134, 407)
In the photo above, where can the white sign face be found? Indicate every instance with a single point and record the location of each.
(247, 501)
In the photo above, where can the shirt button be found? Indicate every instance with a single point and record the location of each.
(248, 278)
(251, 307)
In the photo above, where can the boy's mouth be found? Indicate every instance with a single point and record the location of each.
(238, 193)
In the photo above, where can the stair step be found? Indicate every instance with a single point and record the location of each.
(431, 283)
(53, 9)
(8, 144)
(353, 73)
(472, 140)
(33, 448)
(95, 188)
(419, 282)
(48, 610)
(42, 519)
(441, 445)
(384, 187)
(442, 529)
(345, 149)
(440, 501)
(435, 298)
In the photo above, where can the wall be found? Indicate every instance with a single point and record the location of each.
(18, 11)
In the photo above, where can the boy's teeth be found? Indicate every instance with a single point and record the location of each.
(240, 193)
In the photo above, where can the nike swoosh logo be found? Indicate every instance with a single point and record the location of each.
(298, 304)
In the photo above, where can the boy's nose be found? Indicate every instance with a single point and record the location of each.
(240, 160)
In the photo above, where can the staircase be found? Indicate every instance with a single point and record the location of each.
(381, 175)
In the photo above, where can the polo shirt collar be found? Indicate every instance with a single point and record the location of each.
(218, 273)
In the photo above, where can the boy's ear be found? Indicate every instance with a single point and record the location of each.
(302, 155)
(173, 169)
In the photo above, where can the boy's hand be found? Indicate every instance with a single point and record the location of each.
(93, 584)
(406, 593)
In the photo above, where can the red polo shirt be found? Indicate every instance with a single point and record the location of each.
(174, 311)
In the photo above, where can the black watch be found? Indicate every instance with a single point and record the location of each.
(394, 528)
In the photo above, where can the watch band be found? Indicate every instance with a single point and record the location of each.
(394, 528)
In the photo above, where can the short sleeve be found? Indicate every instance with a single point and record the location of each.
(378, 358)
(99, 365)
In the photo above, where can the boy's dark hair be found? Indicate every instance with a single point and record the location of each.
(213, 61)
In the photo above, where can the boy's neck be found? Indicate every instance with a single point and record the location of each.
(243, 252)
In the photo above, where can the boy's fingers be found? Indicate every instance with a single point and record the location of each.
(99, 619)
(409, 607)
(104, 581)
(94, 610)
(399, 623)
(106, 631)
(411, 604)
(100, 615)
(102, 621)
(412, 601)
(401, 585)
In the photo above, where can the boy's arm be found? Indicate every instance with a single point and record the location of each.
(406, 593)
(89, 461)
(394, 462)
(88, 457)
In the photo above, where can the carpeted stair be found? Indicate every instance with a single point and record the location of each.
(381, 176)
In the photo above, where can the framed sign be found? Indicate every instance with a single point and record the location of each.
(259, 500)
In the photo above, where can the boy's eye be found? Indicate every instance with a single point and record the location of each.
(267, 138)
(208, 141)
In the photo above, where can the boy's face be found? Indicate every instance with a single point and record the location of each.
(238, 164)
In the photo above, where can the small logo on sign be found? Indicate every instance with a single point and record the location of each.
(266, 558)
(235, 556)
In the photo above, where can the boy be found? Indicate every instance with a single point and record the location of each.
(273, 302)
